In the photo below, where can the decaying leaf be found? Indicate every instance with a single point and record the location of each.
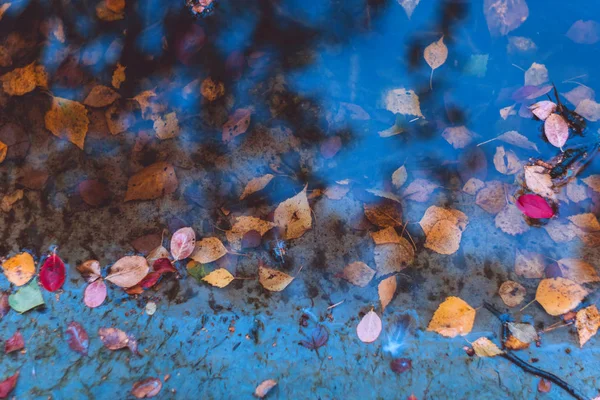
(559, 295)
(539, 181)
(387, 235)
(577, 270)
(7, 385)
(237, 124)
(183, 243)
(20, 81)
(93, 192)
(587, 322)
(516, 139)
(369, 327)
(119, 119)
(19, 269)
(101, 96)
(544, 386)
(510, 220)
(212, 90)
(358, 273)
(556, 130)
(386, 290)
(263, 389)
(536, 75)
(166, 126)
(115, 339)
(512, 293)
(385, 213)
(26, 298)
(543, 109)
(586, 221)
(256, 184)
(105, 13)
(419, 190)
(399, 177)
(67, 119)
(152, 182)
(503, 16)
(403, 101)
(576, 192)
(78, 338)
(273, 280)
(318, 338)
(244, 224)
(529, 265)
(118, 76)
(593, 181)
(146, 388)
(95, 294)
(90, 270)
(219, 278)
(435, 54)
(560, 232)
(128, 271)
(492, 198)
(444, 238)
(393, 257)
(453, 317)
(336, 192)
(589, 110)
(484, 347)
(434, 214)
(458, 136)
(293, 216)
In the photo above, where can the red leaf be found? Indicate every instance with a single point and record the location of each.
(15, 343)
(7, 385)
(148, 387)
(78, 338)
(53, 273)
(318, 338)
(163, 265)
(150, 280)
(400, 365)
(534, 206)
(95, 294)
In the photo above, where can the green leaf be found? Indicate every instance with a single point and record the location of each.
(26, 298)
(197, 272)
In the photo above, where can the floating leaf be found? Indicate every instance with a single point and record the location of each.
(26, 298)
(128, 271)
(543, 109)
(534, 206)
(53, 273)
(484, 347)
(577, 270)
(263, 389)
(219, 278)
(399, 177)
(293, 216)
(556, 130)
(183, 243)
(90, 270)
(434, 214)
(559, 295)
(403, 101)
(318, 338)
(579, 93)
(503, 16)
(101, 96)
(539, 181)
(358, 273)
(78, 338)
(386, 289)
(589, 110)
(472, 186)
(393, 257)
(510, 220)
(68, 119)
(256, 184)
(435, 54)
(237, 124)
(19, 269)
(7, 385)
(409, 6)
(458, 136)
(115, 339)
(444, 238)
(243, 225)
(584, 32)
(512, 293)
(152, 182)
(506, 162)
(146, 388)
(525, 333)
(14, 343)
(273, 280)
(529, 265)
(369, 327)
(95, 294)
(492, 198)
(587, 322)
(453, 317)
(208, 250)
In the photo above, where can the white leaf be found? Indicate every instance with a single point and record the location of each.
(369, 327)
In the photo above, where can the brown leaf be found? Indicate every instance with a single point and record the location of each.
(358, 273)
(146, 388)
(586, 221)
(14, 343)
(3, 151)
(559, 295)
(544, 386)
(118, 119)
(393, 257)
(32, 179)
(152, 182)
(128, 271)
(587, 323)
(115, 339)
(145, 244)
(68, 119)
(208, 250)
(256, 184)
(529, 265)
(512, 293)
(93, 192)
(118, 76)
(237, 124)
(459, 136)
(273, 280)
(106, 14)
(387, 235)
(444, 238)
(293, 216)
(212, 90)
(90, 270)
(387, 289)
(385, 213)
(419, 190)
(503, 16)
(10, 199)
(219, 278)
(593, 181)
(101, 96)
(453, 317)
(578, 271)
(515, 344)
(263, 389)
(492, 198)
(434, 214)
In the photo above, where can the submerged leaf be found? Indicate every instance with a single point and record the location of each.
(273, 280)
(14, 343)
(67, 119)
(237, 124)
(318, 338)
(512, 293)
(256, 184)
(7, 385)
(78, 338)
(115, 339)
(293, 216)
(534, 206)
(152, 182)
(358, 273)
(503, 16)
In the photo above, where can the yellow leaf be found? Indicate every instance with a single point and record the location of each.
(434, 214)
(444, 238)
(19, 269)
(256, 184)
(3, 151)
(208, 250)
(152, 182)
(10, 199)
(559, 295)
(219, 278)
(393, 257)
(273, 280)
(484, 347)
(387, 235)
(587, 322)
(386, 289)
(68, 119)
(358, 273)
(24, 80)
(293, 216)
(118, 76)
(243, 225)
(453, 317)
(512, 293)
(435, 54)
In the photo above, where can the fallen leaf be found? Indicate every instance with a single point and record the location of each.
(579, 93)
(516, 139)
(115, 339)
(23, 80)
(106, 14)
(90, 270)
(584, 32)
(7, 385)
(293, 216)
(318, 338)
(95, 294)
(589, 110)
(529, 265)
(336, 192)
(492, 198)
(256, 184)
(559, 295)
(539, 181)
(149, 280)
(358, 273)
(536, 75)
(544, 386)
(534, 206)
(77, 338)
(503, 16)
(14, 343)
(484, 347)
(146, 388)
(419, 190)
(559, 232)
(409, 6)
(183, 243)
(118, 76)
(237, 124)
(401, 365)
(369, 327)
(330, 147)
(556, 130)
(513, 343)
(101, 96)
(458, 136)
(444, 238)
(166, 126)
(53, 273)
(242, 226)
(208, 250)
(3, 151)
(393, 257)
(26, 298)
(512, 293)
(453, 317)
(593, 181)
(158, 253)
(273, 280)
(435, 54)
(4, 306)
(510, 220)
(586, 221)
(506, 112)
(434, 214)
(263, 389)
(386, 290)
(387, 235)
(472, 186)
(67, 119)
(403, 101)
(128, 271)
(119, 119)
(543, 109)
(384, 213)
(219, 278)
(576, 192)
(93, 192)
(149, 104)
(19, 269)
(577, 270)
(212, 90)
(152, 182)
(525, 333)
(399, 177)
(587, 322)
(3, 8)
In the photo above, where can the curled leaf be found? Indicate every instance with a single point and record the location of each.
(90, 270)
(115, 339)
(263, 389)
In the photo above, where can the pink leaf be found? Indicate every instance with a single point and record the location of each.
(95, 294)
(53, 273)
(534, 206)
(183, 243)
(369, 327)
(7, 385)
(78, 338)
(556, 130)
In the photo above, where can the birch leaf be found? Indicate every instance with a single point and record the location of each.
(536, 75)
(237, 124)
(19, 269)
(152, 182)
(183, 243)
(293, 216)
(435, 54)
(387, 289)
(577, 270)
(273, 280)
(589, 110)
(512, 293)
(358, 273)
(539, 181)
(101, 96)
(484, 347)
(543, 109)
(559, 295)
(409, 6)
(529, 265)
(68, 119)
(243, 225)
(453, 317)
(399, 177)
(256, 184)
(506, 162)
(503, 16)
(393, 257)
(369, 327)
(219, 278)
(458, 136)
(516, 139)
(402, 101)
(208, 250)
(587, 322)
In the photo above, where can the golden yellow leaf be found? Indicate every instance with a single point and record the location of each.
(68, 119)
(515, 344)
(484, 347)
(19, 269)
(3, 151)
(219, 278)
(577, 270)
(208, 250)
(152, 182)
(512, 293)
(167, 126)
(587, 322)
(212, 90)
(358, 273)
(118, 76)
(559, 295)
(402, 101)
(293, 216)
(393, 257)
(444, 238)
(243, 225)
(387, 289)
(24, 80)
(273, 280)
(256, 184)
(453, 317)
(435, 54)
